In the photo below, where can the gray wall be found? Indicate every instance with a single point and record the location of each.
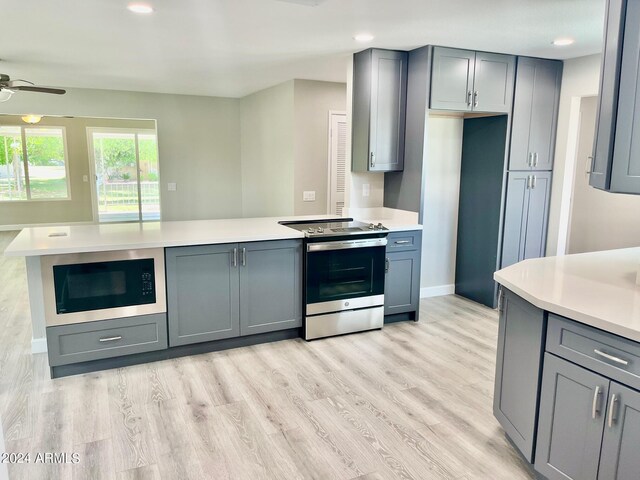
(599, 220)
(78, 207)
(198, 142)
(312, 102)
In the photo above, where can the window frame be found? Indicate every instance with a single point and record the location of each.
(25, 164)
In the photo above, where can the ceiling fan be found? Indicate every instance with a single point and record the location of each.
(8, 87)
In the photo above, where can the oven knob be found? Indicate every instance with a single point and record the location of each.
(320, 230)
(311, 230)
(379, 226)
(371, 226)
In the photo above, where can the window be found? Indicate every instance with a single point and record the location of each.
(33, 163)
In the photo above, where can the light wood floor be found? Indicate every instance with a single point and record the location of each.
(412, 401)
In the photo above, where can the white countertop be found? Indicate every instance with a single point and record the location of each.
(37, 241)
(597, 289)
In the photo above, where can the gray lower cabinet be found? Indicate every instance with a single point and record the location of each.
(572, 419)
(83, 342)
(379, 110)
(526, 216)
(521, 337)
(466, 81)
(203, 293)
(402, 279)
(223, 291)
(535, 114)
(270, 286)
(616, 153)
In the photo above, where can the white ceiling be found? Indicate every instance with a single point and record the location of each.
(235, 47)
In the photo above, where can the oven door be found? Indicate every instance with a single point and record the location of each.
(344, 275)
(99, 286)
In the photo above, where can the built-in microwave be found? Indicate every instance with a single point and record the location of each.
(85, 287)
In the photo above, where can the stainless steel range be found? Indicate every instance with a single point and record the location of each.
(344, 276)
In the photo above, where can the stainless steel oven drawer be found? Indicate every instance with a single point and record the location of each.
(610, 355)
(82, 342)
(404, 241)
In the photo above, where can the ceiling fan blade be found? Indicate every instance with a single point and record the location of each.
(29, 88)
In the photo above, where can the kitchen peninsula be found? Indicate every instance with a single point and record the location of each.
(174, 266)
(568, 363)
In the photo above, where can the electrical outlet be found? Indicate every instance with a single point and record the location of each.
(85, 178)
(309, 196)
(172, 186)
(366, 189)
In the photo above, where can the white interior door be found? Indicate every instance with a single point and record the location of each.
(337, 162)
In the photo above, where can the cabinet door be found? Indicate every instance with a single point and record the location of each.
(608, 98)
(270, 286)
(202, 294)
(572, 414)
(402, 282)
(544, 112)
(625, 173)
(518, 369)
(537, 216)
(515, 218)
(388, 106)
(619, 459)
(452, 79)
(520, 152)
(493, 82)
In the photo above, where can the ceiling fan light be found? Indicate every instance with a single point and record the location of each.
(32, 119)
(5, 94)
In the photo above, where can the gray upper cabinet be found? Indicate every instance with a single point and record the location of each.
(518, 370)
(270, 286)
(616, 153)
(202, 293)
(526, 216)
(535, 114)
(619, 459)
(465, 81)
(573, 409)
(379, 110)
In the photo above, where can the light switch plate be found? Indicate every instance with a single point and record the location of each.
(172, 186)
(309, 196)
(366, 189)
(85, 178)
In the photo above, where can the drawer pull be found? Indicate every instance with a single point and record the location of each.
(596, 402)
(111, 339)
(610, 357)
(402, 242)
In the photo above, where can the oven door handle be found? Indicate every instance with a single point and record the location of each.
(363, 243)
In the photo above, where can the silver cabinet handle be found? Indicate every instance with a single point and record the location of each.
(530, 159)
(111, 339)
(469, 98)
(373, 159)
(386, 265)
(475, 99)
(402, 242)
(612, 410)
(535, 159)
(610, 357)
(533, 181)
(244, 257)
(234, 260)
(528, 182)
(589, 165)
(595, 406)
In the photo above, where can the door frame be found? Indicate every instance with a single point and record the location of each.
(335, 113)
(92, 167)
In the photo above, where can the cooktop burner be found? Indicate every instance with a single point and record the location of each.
(346, 226)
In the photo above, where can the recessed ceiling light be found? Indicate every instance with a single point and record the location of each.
(143, 8)
(563, 42)
(363, 37)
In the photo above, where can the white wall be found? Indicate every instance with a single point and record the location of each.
(599, 220)
(441, 196)
(198, 142)
(267, 151)
(580, 78)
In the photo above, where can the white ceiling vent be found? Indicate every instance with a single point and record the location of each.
(307, 3)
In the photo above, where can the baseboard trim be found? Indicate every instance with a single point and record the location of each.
(440, 290)
(10, 228)
(38, 345)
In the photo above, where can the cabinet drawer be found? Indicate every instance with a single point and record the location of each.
(404, 241)
(82, 342)
(602, 352)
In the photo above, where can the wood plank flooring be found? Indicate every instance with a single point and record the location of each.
(412, 401)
